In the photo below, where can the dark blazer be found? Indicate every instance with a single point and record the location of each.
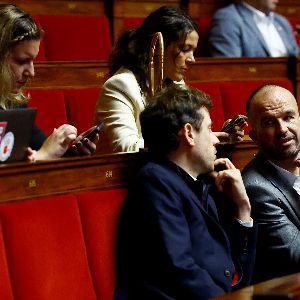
(172, 246)
(276, 209)
(235, 34)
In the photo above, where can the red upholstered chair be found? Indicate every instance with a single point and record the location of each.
(81, 105)
(133, 22)
(204, 24)
(51, 109)
(217, 113)
(6, 291)
(76, 37)
(100, 214)
(41, 56)
(235, 95)
(45, 250)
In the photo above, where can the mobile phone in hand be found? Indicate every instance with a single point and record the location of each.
(90, 135)
(239, 120)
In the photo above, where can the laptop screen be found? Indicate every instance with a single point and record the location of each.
(15, 133)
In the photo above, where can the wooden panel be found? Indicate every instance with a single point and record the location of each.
(135, 8)
(61, 7)
(203, 8)
(287, 287)
(237, 69)
(67, 175)
(289, 8)
(69, 74)
(30, 180)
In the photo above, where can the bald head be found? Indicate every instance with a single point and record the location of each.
(275, 126)
(266, 98)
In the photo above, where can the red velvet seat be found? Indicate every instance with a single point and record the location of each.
(76, 37)
(81, 105)
(51, 109)
(235, 95)
(41, 56)
(204, 24)
(100, 214)
(133, 22)
(217, 112)
(45, 250)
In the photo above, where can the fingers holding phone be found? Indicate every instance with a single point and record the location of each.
(85, 143)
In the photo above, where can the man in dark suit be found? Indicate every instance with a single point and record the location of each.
(272, 180)
(178, 238)
(251, 29)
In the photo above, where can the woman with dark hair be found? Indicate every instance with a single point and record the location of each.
(124, 94)
(19, 45)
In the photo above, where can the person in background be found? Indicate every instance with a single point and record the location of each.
(272, 180)
(123, 95)
(180, 237)
(251, 29)
(19, 45)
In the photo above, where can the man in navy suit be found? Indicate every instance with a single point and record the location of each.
(251, 29)
(183, 234)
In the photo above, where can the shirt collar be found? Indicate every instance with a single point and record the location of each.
(290, 177)
(259, 14)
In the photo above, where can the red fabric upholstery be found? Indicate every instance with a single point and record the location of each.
(81, 105)
(217, 112)
(41, 56)
(204, 24)
(100, 213)
(45, 250)
(235, 95)
(5, 286)
(51, 109)
(133, 22)
(76, 37)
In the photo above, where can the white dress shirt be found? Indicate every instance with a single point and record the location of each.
(265, 24)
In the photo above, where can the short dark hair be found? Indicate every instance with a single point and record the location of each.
(167, 112)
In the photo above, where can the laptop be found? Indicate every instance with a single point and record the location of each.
(15, 133)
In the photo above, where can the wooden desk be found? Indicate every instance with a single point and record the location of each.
(284, 288)
(56, 75)
(30, 180)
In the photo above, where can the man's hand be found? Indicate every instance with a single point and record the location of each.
(229, 181)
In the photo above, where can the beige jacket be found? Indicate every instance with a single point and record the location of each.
(119, 107)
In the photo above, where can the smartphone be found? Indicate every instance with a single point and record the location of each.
(236, 121)
(90, 135)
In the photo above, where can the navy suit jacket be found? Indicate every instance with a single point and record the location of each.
(235, 34)
(171, 247)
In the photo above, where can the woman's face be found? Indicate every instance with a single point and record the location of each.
(21, 62)
(178, 58)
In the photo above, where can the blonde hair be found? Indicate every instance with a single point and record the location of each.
(16, 26)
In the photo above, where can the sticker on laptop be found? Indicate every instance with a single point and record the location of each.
(6, 146)
(2, 129)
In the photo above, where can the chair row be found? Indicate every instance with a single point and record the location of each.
(88, 34)
(64, 106)
(77, 106)
(57, 242)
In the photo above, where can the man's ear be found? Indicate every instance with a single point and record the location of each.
(253, 135)
(188, 134)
